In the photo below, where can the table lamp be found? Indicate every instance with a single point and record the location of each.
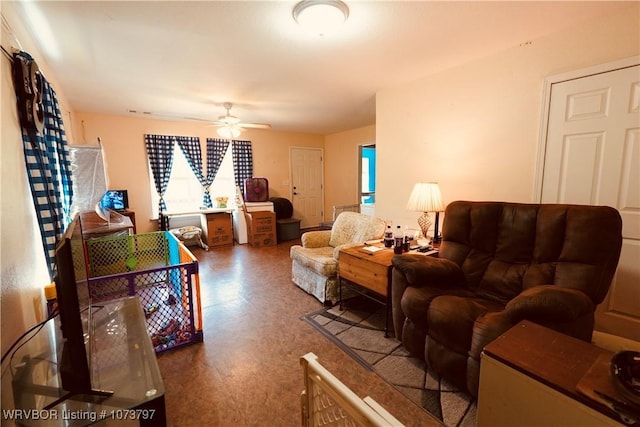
(426, 197)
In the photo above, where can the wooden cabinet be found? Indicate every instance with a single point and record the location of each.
(538, 376)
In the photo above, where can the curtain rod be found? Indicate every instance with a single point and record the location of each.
(92, 147)
(86, 147)
(6, 53)
(7, 27)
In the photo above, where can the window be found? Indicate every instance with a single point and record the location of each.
(224, 185)
(367, 174)
(184, 192)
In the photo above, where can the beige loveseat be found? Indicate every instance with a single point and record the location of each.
(314, 266)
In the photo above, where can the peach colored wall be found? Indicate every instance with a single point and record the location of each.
(123, 141)
(341, 166)
(24, 270)
(475, 128)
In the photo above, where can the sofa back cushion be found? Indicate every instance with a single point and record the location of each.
(354, 227)
(504, 248)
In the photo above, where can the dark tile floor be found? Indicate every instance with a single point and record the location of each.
(247, 370)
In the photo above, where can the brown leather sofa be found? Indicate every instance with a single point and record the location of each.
(500, 263)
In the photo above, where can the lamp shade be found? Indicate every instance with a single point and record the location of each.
(425, 197)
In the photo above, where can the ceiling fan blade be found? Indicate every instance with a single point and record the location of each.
(255, 125)
(196, 119)
(227, 120)
(160, 115)
(242, 125)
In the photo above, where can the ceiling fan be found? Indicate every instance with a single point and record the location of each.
(230, 126)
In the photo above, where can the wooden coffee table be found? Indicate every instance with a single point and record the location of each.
(370, 272)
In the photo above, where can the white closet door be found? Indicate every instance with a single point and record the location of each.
(593, 157)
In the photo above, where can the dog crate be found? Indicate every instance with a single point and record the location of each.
(158, 269)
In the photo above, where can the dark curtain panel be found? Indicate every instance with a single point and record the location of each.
(242, 161)
(160, 154)
(216, 148)
(46, 154)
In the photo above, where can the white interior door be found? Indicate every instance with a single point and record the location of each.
(307, 185)
(592, 157)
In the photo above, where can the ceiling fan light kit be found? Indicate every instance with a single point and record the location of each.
(321, 16)
(229, 132)
(230, 127)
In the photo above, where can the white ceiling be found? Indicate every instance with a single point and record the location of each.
(185, 59)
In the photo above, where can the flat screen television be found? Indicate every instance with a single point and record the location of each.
(73, 298)
(117, 200)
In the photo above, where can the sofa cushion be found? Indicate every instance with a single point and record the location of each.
(344, 228)
(502, 280)
(451, 318)
(549, 303)
(320, 260)
(416, 300)
(354, 227)
(440, 272)
(504, 248)
(316, 238)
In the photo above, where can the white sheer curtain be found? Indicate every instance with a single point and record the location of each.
(90, 177)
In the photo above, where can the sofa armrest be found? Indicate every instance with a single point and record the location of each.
(549, 303)
(316, 239)
(337, 249)
(422, 270)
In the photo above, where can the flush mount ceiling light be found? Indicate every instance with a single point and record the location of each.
(321, 16)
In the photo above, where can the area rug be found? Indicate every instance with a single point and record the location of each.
(359, 331)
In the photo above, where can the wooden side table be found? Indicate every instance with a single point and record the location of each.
(370, 272)
(540, 376)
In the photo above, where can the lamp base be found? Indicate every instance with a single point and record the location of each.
(437, 238)
(425, 223)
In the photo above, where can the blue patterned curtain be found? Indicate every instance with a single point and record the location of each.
(48, 164)
(160, 154)
(242, 161)
(216, 149)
